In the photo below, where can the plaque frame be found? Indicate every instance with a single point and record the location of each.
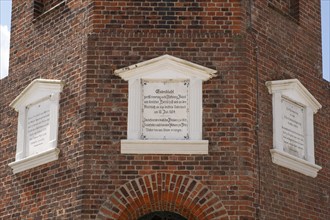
(165, 67)
(36, 92)
(293, 91)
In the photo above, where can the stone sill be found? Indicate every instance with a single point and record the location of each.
(164, 146)
(291, 162)
(64, 2)
(35, 160)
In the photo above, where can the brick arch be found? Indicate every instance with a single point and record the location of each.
(163, 192)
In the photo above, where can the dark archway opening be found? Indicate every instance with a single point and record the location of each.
(162, 215)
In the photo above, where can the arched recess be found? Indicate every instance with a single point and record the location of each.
(163, 192)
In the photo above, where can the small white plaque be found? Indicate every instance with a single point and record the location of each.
(293, 128)
(38, 107)
(165, 109)
(38, 127)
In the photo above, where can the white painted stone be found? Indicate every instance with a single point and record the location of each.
(164, 146)
(293, 129)
(38, 127)
(293, 135)
(165, 109)
(165, 66)
(294, 163)
(37, 107)
(35, 160)
(178, 78)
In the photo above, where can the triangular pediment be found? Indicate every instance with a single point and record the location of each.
(35, 91)
(294, 90)
(165, 66)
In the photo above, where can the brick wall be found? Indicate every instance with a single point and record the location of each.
(129, 32)
(51, 47)
(170, 16)
(288, 8)
(41, 7)
(288, 49)
(83, 42)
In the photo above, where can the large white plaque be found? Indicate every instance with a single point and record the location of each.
(165, 106)
(38, 127)
(293, 128)
(165, 109)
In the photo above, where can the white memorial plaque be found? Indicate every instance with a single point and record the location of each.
(165, 109)
(293, 129)
(38, 108)
(38, 127)
(293, 126)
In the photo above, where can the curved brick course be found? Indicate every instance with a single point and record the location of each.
(163, 192)
(83, 42)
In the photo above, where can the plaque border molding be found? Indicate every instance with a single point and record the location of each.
(294, 91)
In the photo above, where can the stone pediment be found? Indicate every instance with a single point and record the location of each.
(35, 91)
(165, 66)
(293, 89)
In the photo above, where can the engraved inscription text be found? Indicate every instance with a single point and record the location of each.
(293, 129)
(165, 109)
(38, 127)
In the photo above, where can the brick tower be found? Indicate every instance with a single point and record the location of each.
(230, 159)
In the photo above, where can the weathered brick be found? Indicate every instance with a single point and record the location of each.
(83, 42)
